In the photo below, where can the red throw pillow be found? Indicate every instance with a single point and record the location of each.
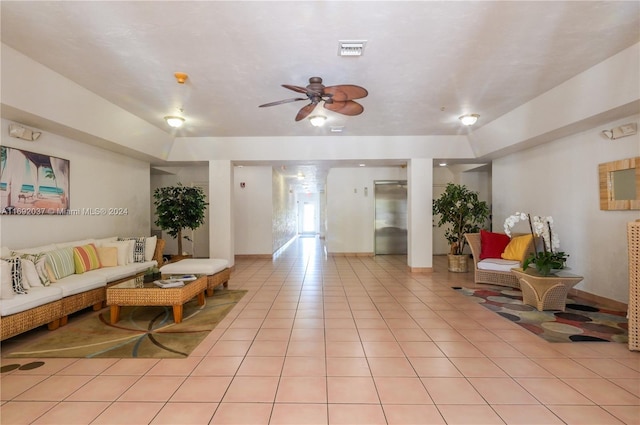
(492, 244)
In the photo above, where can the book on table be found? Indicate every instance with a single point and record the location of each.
(169, 283)
(183, 277)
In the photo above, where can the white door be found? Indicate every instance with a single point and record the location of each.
(440, 244)
(309, 218)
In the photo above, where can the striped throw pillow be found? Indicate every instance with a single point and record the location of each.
(85, 258)
(60, 263)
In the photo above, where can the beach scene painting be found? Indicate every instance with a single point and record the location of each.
(33, 183)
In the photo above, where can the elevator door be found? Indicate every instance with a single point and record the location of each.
(391, 217)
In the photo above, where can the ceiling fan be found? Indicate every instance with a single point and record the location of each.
(336, 98)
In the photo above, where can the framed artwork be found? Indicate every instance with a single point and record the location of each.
(33, 183)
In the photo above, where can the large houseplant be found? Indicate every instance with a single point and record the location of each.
(460, 209)
(179, 207)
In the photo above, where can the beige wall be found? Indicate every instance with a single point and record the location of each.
(253, 210)
(560, 179)
(284, 221)
(98, 179)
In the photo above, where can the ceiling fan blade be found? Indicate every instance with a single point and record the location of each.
(346, 92)
(309, 92)
(295, 88)
(304, 112)
(280, 102)
(348, 107)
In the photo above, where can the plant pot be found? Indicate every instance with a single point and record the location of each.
(148, 278)
(458, 263)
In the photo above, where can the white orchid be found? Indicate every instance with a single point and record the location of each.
(549, 259)
(542, 227)
(512, 220)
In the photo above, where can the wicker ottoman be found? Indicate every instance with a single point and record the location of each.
(217, 270)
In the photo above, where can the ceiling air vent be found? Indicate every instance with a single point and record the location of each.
(351, 48)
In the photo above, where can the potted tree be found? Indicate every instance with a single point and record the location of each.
(179, 207)
(460, 209)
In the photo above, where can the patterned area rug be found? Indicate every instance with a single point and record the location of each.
(582, 321)
(141, 332)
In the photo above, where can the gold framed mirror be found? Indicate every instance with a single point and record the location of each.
(620, 184)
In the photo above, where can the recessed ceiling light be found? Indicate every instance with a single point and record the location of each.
(337, 129)
(351, 47)
(363, 165)
(443, 164)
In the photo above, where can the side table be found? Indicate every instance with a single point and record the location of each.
(546, 292)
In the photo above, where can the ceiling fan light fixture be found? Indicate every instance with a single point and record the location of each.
(469, 119)
(173, 121)
(317, 120)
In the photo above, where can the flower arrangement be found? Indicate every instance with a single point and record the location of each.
(550, 257)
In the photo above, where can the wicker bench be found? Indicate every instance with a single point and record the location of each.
(217, 270)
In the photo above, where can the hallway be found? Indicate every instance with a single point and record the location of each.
(342, 340)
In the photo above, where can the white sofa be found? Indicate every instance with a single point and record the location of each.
(52, 304)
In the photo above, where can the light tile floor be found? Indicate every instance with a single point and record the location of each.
(342, 340)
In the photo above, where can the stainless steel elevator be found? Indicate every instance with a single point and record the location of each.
(391, 217)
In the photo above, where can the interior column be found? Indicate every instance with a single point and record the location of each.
(420, 215)
(221, 243)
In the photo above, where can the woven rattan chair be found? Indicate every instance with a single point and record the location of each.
(490, 276)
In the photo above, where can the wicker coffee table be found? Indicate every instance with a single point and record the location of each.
(546, 292)
(136, 293)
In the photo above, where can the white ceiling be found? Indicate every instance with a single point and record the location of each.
(425, 62)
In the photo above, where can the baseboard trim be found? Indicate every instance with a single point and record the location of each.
(351, 254)
(420, 269)
(615, 305)
(253, 256)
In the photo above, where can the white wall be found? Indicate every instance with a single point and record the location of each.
(350, 214)
(98, 179)
(284, 225)
(560, 179)
(253, 209)
(419, 203)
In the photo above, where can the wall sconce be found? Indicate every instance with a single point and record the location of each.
(20, 132)
(622, 131)
(174, 122)
(469, 119)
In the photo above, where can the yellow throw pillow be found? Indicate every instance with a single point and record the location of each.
(517, 248)
(108, 256)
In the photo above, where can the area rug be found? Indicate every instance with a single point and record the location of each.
(141, 332)
(581, 321)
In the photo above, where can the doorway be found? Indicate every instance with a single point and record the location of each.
(308, 218)
(390, 217)
(308, 223)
